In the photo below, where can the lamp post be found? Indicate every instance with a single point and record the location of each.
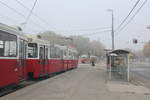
(148, 27)
(112, 31)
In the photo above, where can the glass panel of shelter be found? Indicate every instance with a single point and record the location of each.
(118, 66)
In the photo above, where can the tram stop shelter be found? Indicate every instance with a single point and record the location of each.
(118, 65)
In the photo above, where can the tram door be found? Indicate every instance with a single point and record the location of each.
(41, 56)
(22, 59)
(62, 60)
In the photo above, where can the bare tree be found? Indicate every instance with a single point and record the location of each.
(146, 49)
(83, 44)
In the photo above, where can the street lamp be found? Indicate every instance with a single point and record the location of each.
(148, 27)
(112, 31)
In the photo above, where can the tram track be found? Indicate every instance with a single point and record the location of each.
(7, 91)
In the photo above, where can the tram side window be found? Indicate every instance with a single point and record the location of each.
(1, 48)
(41, 53)
(8, 45)
(32, 50)
(70, 55)
(52, 52)
(75, 56)
(21, 49)
(58, 52)
(65, 54)
(61, 54)
(46, 53)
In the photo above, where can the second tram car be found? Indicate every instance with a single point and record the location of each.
(37, 61)
(45, 58)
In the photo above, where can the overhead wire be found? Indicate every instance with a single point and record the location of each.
(133, 16)
(14, 21)
(22, 15)
(30, 13)
(95, 33)
(137, 2)
(44, 21)
(14, 10)
(89, 29)
(41, 19)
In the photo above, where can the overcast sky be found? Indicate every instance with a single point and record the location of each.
(82, 17)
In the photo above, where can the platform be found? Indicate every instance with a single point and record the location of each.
(83, 83)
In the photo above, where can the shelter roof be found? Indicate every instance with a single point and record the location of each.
(120, 51)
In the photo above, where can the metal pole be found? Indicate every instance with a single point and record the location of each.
(113, 45)
(110, 68)
(128, 69)
(112, 30)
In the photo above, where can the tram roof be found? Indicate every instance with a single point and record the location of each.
(11, 30)
(34, 39)
(63, 47)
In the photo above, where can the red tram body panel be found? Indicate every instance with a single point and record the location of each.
(8, 72)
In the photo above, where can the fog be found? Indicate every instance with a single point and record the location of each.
(82, 17)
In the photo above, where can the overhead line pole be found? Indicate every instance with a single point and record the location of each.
(112, 30)
(113, 44)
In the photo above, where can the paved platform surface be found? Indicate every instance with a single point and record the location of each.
(83, 83)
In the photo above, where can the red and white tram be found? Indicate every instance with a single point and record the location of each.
(12, 56)
(23, 57)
